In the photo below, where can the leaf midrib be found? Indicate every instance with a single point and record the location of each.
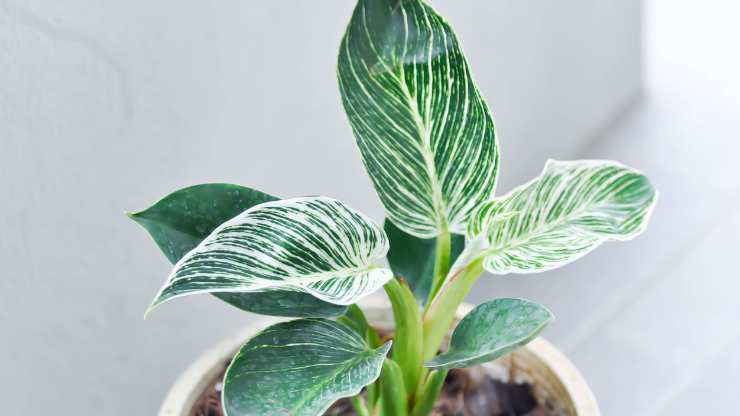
(344, 367)
(493, 352)
(424, 146)
(316, 277)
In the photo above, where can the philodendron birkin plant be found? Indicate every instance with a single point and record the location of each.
(429, 145)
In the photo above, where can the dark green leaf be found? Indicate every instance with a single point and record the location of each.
(282, 303)
(413, 258)
(300, 368)
(492, 330)
(181, 220)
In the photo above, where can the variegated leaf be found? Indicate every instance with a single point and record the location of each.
(299, 368)
(425, 133)
(181, 220)
(567, 211)
(315, 245)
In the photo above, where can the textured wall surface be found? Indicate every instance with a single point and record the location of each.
(653, 323)
(108, 105)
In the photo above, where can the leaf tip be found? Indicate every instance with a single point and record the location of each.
(133, 216)
(385, 347)
(155, 303)
(148, 310)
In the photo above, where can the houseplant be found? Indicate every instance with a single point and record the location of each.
(429, 145)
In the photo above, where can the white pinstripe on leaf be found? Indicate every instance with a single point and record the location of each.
(299, 368)
(425, 133)
(569, 210)
(315, 245)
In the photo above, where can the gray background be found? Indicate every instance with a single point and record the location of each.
(106, 106)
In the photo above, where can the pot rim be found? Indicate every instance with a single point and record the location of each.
(188, 387)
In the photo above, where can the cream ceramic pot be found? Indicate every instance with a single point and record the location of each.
(554, 378)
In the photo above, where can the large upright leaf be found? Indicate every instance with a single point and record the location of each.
(425, 133)
(182, 219)
(567, 211)
(314, 245)
(299, 368)
(492, 330)
(413, 258)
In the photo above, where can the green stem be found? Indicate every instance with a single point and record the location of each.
(429, 393)
(440, 314)
(407, 339)
(359, 406)
(372, 394)
(393, 391)
(441, 263)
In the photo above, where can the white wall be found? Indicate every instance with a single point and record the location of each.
(107, 105)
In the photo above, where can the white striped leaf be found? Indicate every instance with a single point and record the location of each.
(314, 245)
(425, 133)
(181, 220)
(570, 209)
(299, 368)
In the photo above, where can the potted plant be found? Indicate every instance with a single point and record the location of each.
(428, 142)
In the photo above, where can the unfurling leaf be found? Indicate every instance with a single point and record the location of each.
(425, 133)
(492, 330)
(184, 218)
(314, 245)
(570, 209)
(300, 368)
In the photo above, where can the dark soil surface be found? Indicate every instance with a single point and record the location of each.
(469, 392)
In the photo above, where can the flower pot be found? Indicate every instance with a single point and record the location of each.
(554, 378)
